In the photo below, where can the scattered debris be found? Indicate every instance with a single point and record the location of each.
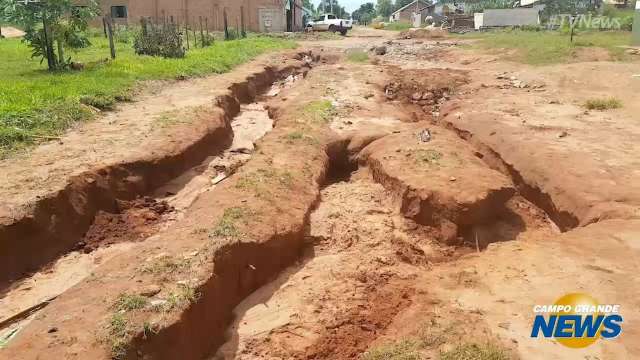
(380, 50)
(425, 135)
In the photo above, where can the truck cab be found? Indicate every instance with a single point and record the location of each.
(330, 22)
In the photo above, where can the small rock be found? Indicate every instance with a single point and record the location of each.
(427, 96)
(453, 178)
(158, 302)
(381, 50)
(52, 330)
(149, 290)
(425, 135)
(563, 134)
(416, 96)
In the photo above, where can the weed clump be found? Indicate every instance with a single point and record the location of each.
(129, 302)
(472, 351)
(227, 227)
(319, 111)
(403, 350)
(603, 104)
(358, 56)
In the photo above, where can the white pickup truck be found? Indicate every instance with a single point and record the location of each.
(330, 22)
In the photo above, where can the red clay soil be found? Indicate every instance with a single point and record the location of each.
(134, 220)
(439, 183)
(354, 330)
(233, 240)
(424, 89)
(56, 222)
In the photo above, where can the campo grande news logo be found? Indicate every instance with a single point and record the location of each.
(577, 321)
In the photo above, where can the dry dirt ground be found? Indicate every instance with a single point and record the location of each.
(410, 206)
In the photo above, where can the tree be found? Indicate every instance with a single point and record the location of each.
(309, 5)
(384, 8)
(401, 3)
(50, 25)
(332, 6)
(365, 13)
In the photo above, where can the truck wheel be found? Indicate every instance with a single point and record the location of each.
(332, 28)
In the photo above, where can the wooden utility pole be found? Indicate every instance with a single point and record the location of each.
(110, 33)
(636, 25)
(244, 31)
(186, 32)
(226, 24)
(201, 32)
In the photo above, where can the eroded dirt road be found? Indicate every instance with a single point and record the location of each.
(415, 205)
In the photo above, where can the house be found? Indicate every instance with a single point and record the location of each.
(258, 15)
(405, 13)
(448, 7)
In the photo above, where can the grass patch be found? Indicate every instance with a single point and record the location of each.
(357, 56)
(118, 332)
(403, 350)
(227, 227)
(262, 180)
(319, 111)
(486, 351)
(128, 302)
(428, 156)
(397, 26)
(299, 136)
(184, 296)
(36, 103)
(603, 104)
(550, 47)
(165, 265)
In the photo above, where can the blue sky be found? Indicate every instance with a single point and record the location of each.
(349, 5)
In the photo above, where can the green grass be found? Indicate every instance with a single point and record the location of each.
(403, 350)
(549, 47)
(129, 302)
(603, 104)
(319, 111)
(475, 352)
(357, 56)
(118, 331)
(397, 26)
(36, 104)
(227, 226)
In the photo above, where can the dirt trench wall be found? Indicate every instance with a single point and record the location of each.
(439, 183)
(565, 219)
(54, 224)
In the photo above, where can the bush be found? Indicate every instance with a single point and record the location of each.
(165, 41)
(603, 104)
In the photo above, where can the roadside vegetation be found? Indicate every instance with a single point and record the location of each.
(603, 104)
(358, 56)
(412, 350)
(395, 26)
(37, 104)
(549, 47)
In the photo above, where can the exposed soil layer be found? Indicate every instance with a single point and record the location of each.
(439, 182)
(55, 223)
(359, 223)
(424, 89)
(134, 220)
(234, 238)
